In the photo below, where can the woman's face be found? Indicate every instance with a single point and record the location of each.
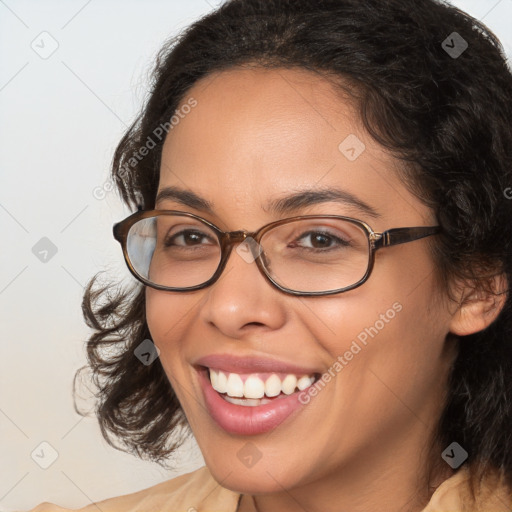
(256, 136)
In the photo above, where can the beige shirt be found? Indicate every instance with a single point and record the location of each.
(199, 492)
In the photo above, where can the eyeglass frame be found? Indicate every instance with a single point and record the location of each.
(227, 239)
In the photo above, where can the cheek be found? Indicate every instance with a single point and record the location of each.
(157, 320)
(380, 336)
(167, 317)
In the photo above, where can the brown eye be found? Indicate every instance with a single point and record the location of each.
(187, 237)
(319, 240)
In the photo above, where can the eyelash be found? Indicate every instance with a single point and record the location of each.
(341, 242)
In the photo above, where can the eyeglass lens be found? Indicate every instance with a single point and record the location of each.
(307, 255)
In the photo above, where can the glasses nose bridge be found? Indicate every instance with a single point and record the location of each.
(231, 238)
(234, 237)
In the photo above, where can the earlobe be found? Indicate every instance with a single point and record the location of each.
(479, 308)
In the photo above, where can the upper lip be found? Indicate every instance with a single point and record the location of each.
(251, 364)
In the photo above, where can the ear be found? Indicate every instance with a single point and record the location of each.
(479, 308)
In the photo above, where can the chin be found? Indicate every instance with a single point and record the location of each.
(250, 481)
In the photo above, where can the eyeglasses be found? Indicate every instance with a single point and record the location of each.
(306, 255)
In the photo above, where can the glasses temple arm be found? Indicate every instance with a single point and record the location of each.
(398, 236)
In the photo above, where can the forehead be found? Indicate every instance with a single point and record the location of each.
(264, 112)
(259, 133)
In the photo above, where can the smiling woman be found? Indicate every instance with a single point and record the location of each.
(323, 254)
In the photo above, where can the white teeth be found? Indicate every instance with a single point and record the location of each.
(273, 386)
(219, 381)
(289, 384)
(235, 386)
(248, 402)
(254, 387)
(214, 379)
(305, 382)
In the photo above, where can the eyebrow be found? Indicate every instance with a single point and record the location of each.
(284, 205)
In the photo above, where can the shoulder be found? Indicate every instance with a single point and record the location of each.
(455, 494)
(190, 492)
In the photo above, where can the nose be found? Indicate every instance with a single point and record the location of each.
(242, 299)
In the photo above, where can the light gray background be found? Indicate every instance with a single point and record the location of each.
(61, 118)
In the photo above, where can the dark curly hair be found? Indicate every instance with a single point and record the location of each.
(446, 117)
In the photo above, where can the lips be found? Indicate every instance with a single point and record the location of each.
(234, 364)
(262, 393)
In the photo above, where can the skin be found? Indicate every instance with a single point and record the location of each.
(361, 443)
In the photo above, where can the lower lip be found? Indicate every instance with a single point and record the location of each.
(239, 419)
